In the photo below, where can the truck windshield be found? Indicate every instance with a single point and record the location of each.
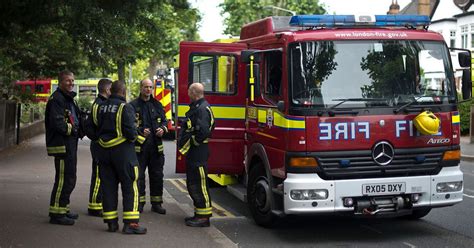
(370, 73)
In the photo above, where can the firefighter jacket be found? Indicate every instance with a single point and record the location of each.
(62, 122)
(149, 114)
(196, 130)
(90, 124)
(115, 122)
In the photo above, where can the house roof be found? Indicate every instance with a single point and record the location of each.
(464, 14)
(445, 20)
(412, 8)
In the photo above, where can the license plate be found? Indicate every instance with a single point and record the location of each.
(383, 188)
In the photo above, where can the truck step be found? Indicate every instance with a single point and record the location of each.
(238, 190)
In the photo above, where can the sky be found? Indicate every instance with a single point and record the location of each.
(211, 26)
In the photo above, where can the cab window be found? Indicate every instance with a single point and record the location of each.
(216, 72)
(273, 69)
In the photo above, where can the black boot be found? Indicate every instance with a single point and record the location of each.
(61, 221)
(189, 218)
(198, 222)
(113, 226)
(72, 215)
(158, 208)
(93, 212)
(133, 228)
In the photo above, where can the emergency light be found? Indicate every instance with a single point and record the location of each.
(352, 20)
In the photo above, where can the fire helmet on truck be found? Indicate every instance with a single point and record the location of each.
(427, 123)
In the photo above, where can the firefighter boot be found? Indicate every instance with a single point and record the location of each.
(158, 208)
(186, 219)
(61, 221)
(112, 226)
(133, 228)
(198, 222)
(72, 215)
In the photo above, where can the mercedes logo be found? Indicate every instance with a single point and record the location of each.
(383, 153)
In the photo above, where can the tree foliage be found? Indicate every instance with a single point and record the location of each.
(38, 38)
(240, 12)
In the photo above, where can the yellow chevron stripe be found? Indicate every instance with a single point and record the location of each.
(220, 112)
(262, 115)
(456, 119)
(281, 121)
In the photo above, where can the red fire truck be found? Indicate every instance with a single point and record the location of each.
(332, 114)
(40, 88)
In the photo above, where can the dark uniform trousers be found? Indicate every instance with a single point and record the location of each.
(196, 183)
(119, 164)
(64, 179)
(151, 157)
(95, 191)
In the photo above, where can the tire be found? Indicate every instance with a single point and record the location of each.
(418, 214)
(259, 197)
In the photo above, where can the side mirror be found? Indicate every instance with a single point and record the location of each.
(256, 73)
(245, 56)
(464, 59)
(281, 106)
(466, 87)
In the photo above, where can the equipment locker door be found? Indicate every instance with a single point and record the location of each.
(217, 66)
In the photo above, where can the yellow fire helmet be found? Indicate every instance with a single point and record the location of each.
(427, 123)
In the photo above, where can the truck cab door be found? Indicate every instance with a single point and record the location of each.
(217, 66)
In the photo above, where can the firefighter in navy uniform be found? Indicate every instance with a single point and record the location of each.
(62, 132)
(193, 142)
(116, 132)
(151, 122)
(95, 192)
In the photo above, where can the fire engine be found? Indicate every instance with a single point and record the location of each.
(332, 114)
(40, 88)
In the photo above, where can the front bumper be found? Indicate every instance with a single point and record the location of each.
(340, 189)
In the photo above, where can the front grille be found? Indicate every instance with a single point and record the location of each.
(359, 164)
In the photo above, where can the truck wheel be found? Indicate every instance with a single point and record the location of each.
(259, 197)
(418, 214)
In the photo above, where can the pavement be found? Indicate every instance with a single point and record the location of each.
(26, 179)
(467, 149)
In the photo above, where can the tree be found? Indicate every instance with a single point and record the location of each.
(40, 37)
(240, 12)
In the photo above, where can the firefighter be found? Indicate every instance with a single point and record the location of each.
(62, 132)
(116, 132)
(193, 143)
(152, 125)
(95, 192)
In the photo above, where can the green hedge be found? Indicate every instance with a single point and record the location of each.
(465, 112)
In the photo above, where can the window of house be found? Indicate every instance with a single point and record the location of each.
(464, 31)
(452, 38)
(216, 72)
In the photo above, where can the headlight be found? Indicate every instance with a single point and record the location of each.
(309, 194)
(448, 187)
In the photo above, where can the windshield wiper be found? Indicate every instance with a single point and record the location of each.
(343, 100)
(414, 100)
(331, 111)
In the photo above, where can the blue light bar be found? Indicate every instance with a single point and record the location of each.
(365, 20)
(322, 20)
(402, 20)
